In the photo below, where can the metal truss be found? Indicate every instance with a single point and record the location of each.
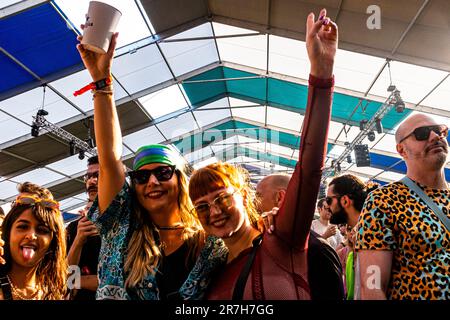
(75, 143)
(394, 100)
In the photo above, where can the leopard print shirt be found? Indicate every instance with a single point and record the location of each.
(397, 220)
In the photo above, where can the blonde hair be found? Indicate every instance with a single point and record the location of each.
(223, 175)
(144, 251)
(51, 273)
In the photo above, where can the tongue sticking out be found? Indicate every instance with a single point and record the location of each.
(28, 253)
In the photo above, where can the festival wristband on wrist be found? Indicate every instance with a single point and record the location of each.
(97, 85)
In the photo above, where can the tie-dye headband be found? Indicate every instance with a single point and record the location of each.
(154, 153)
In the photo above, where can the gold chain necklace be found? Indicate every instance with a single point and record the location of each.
(15, 291)
(177, 226)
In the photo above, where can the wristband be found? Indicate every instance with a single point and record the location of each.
(98, 85)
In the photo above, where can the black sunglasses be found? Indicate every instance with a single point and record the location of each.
(423, 133)
(90, 175)
(163, 173)
(329, 200)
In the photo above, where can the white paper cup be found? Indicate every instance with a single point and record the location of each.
(101, 23)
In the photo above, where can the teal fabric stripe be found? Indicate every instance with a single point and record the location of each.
(281, 94)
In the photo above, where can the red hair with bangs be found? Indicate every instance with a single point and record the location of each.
(223, 175)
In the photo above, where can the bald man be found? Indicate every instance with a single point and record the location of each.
(324, 266)
(270, 191)
(403, 246)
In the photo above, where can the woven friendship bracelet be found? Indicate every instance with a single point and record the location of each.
(107, 91)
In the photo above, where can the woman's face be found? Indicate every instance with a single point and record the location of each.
(158, 196)
(29, 240)
(222, 212)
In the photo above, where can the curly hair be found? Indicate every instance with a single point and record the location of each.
(352, 187)
(51, 273)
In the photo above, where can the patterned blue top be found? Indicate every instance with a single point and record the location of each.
(116, 226)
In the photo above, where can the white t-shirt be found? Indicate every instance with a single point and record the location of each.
(318, 227)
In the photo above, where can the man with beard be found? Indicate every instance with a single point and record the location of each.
(324, 266)
(402, 242)
(323, 226)
(345, 198)
(83, 240)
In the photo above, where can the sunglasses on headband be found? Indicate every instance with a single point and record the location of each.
(163, 173)
(423, 133)
(33, 200)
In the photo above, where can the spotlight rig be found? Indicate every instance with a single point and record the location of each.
(75, 144)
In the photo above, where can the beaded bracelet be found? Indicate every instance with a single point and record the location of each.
(109, 91)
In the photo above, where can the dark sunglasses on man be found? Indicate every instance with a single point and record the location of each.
(329, 200)
(163, 173)
(423, 133)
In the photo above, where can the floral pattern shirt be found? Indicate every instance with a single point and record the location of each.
(116, 226)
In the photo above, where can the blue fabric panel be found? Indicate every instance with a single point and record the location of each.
(382, 183)
(384, 162)
(68, 217)
(11, 75)
(41, 40)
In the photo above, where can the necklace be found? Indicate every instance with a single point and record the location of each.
(174, 227)
(17, 294)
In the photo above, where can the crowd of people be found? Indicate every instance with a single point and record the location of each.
(155, 233)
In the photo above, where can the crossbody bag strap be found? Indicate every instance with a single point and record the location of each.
(413, 186)
(6, 288)
(238, 292)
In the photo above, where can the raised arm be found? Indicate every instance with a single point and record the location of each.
(297, 211)
(107, 128)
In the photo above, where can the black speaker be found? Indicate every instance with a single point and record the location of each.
(362, 157)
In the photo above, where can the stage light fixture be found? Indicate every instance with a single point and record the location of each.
(379, 126)
(90, 142)
(400, 106)
(81, 155)
(72, 148)
(362, 124)
(391, 88)
(42, 112)
(398, 102)
(35, 130)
